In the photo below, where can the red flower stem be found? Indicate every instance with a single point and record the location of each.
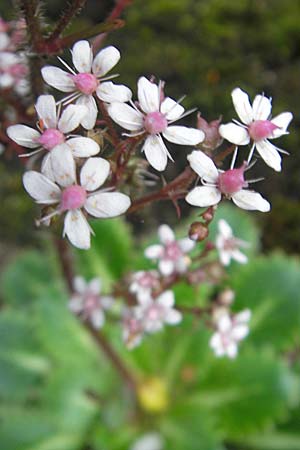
(72, 9)
(66, 262)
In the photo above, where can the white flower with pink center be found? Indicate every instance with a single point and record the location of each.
(230, 330)
(89, 79)
(143, 283)
(171, 253)
(154, 116)
(257, 126)
(54, 129)
(88, 303)
(228, 245)
(132, 329)
(72, 198)
(154, 313)
(217, 183)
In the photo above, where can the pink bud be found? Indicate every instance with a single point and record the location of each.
(50, 138)
(213, 138)
(73, 197)
(155, 122)
(86, 83)
(232, 180)
(261, 129)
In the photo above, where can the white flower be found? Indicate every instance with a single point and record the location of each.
(89, 79)
(217, 183)
(72, 197)
(154, 117)
(228, 245)
(87, 301)
(149, 441)
(171, 253)
(229, 332)
(257, 126)
(143, 282)
(154, 313)
(132, 328)
(54, 129)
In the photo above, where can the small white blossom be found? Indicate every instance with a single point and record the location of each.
(54, 129)
(143, 282)
(230, 183)
(70, 197)
(88, 303)
(89, 79)
(149, 441)
(257, 126)
(171, 254)
(132, 328)
(154, 313)
(230, 330)
(153, 116)
(228, 245)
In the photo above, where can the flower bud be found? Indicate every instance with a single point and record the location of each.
(198, 231)
(213, 138)
(226, 297)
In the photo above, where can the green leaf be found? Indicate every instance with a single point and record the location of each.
(270, 288)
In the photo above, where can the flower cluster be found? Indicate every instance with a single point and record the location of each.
(13, 64)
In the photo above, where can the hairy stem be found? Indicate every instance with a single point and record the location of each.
(72, 9)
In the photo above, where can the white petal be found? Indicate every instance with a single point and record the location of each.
(58, 78)
(24, 136)
(107, 204)
(109, 92)
(71, 118)
(216, 344)
(156, 152)
(262, 107)
(204, 166)
(166, 267)
(148, 95)
(171, 109)
(243, 316)
(126, 116)
(236, 134)
(173, 317)
(282, 121)
(63, 165)
(46, 110)
(94, 286)
(239, 332)
(76, 304)
(83, 147)
(184, 135)
(224, 323)
(97, 318)
(154, 251)
(232, 350)
(105, 60)
(242, 105)
(269, 154)
(79, 284)
(225, 229)
(46, 167)
(225, 257)
(4, 41)
(41, 188)
(77, 229)
(82, 56)
(165, 234)
(203, 196)
(239, 257)
(166, 299)
(93, 173)
(89, 120)
(186, 244)
(251, 201)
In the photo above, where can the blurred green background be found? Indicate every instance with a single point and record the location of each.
(56, 391)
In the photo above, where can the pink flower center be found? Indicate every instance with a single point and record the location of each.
(261, 129)
(50, 138)
(86, 83)
(154, 312)
(172, 251)
(155, 122)
(73, 197)
(232, 180)
(147, 280)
